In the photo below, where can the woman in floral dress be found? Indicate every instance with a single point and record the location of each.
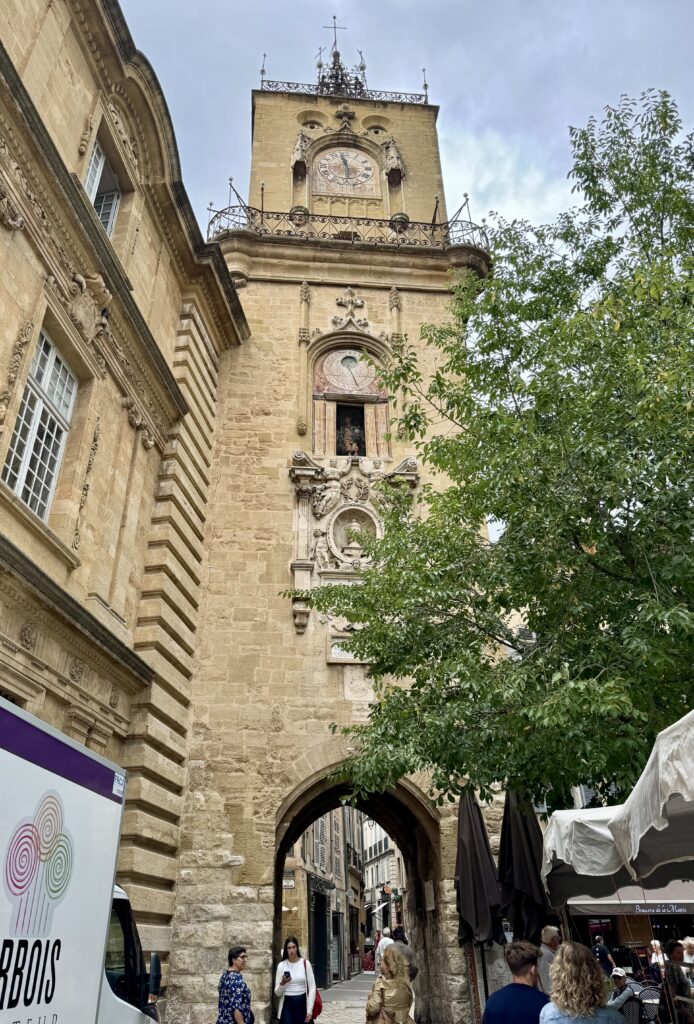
(234, 993)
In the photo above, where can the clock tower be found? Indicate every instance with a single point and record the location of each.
(344, 247)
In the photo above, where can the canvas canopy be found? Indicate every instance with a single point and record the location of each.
(675, 898)
(656, 824)
(595, 852)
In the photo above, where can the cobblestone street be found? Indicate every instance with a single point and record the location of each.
(345, 1002)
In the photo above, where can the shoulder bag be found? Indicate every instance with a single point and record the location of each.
(318, 1002)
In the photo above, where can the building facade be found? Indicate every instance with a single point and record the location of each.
(114, 317)
(187, 430)
(385, 880)
(323, 895)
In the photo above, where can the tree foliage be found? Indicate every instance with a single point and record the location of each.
(561, 406)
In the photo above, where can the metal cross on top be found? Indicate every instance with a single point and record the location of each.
(335, 27)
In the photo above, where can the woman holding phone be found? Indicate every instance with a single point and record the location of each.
(295, 985)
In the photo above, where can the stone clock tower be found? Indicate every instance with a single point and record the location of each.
(343, 248)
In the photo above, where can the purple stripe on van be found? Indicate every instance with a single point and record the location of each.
(25, 740)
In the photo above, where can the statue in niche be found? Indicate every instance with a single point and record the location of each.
(350, 432)
(321, 551)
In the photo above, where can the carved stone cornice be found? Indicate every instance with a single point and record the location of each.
(93, 449)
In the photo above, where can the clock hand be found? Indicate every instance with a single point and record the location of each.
(345, 164)
(353, 377)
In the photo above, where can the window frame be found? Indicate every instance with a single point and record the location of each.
(38, 389)
(99, 157)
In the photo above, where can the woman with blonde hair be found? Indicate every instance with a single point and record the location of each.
(391, 995)
(579, 989)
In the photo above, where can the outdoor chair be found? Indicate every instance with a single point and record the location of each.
(649, 997)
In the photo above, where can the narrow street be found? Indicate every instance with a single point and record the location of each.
(345, 1002)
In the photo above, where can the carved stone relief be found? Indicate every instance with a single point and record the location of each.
(25, 333)
(350, 302)
(334, 505)
(10, 216)
(93, 449)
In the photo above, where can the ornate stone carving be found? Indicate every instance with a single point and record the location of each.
(322, 555)
(129, 146)
(304, 336)
(77, 671)
(10, 216)
(351, 303)
(86, 136)
(28, 635)
(299, 157)
(394, 300)
(114, 698)
(93, 449)
(25, 333)
(344, 115)
(395, 170)
(89, 304)
(301, 613)
(305, 293)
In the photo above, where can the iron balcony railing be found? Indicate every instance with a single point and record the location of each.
(353, 90)
(299, 224)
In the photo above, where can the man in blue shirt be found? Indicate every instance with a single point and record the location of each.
(521, 1001)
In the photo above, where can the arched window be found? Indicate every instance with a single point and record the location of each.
(350, 409)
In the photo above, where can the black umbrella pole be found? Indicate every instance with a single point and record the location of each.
(485, 980)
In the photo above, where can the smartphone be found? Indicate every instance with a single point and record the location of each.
(287, 974)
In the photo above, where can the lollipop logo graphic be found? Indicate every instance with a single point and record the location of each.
(38, 867)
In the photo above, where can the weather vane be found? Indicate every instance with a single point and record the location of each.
(335, 27)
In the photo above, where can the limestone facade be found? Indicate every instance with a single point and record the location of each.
(131, 313)
(301, 443)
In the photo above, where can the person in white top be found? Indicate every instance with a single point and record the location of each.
(295, 985)
(382, 946)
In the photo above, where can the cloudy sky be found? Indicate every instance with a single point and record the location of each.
(510, 76)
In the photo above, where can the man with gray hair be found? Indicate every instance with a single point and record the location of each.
(551, 940)
(382, 946)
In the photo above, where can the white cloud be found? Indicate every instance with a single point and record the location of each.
(502, 173)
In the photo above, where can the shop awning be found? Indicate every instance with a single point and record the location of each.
(675, 898)
(655, 826)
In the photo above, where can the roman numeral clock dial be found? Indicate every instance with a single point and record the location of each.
(345, 167)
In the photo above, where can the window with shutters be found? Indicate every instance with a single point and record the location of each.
(102, 187)
(41, 428)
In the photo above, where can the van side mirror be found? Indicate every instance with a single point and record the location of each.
(154, 976)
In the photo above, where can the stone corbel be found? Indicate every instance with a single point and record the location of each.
(304, 337)
(137, 421)
(407, 471)
(98, 738)
(10, 217)
(78, 723)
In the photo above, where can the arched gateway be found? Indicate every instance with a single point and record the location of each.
(342, 251)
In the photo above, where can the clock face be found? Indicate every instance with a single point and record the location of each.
(347, 373)
(345, 167)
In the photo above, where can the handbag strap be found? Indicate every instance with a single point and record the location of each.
(306, 977)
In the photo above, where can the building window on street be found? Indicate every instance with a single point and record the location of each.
(102, 187)
(38, 440)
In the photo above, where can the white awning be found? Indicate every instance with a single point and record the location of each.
(675, 898)
(656, 824)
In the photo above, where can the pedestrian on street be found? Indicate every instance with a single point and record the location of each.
(383, 944)
(603, 956)
(401, 943)
(675, 988)
(295, 985)
(234, 993)
(579, 989)
(551, 940)
(521, 1001)
(391, 995)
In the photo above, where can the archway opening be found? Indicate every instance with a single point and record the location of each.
(334, 929)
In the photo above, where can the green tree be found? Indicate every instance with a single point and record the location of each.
(561, 406)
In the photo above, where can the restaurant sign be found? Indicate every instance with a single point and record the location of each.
(661, 908)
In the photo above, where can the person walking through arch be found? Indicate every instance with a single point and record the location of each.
(295, 985)
(401, 944)
(383, 944)
(391, 995)
(234, 993)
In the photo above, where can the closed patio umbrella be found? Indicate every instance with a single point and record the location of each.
(523, 899)
(478, 898)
